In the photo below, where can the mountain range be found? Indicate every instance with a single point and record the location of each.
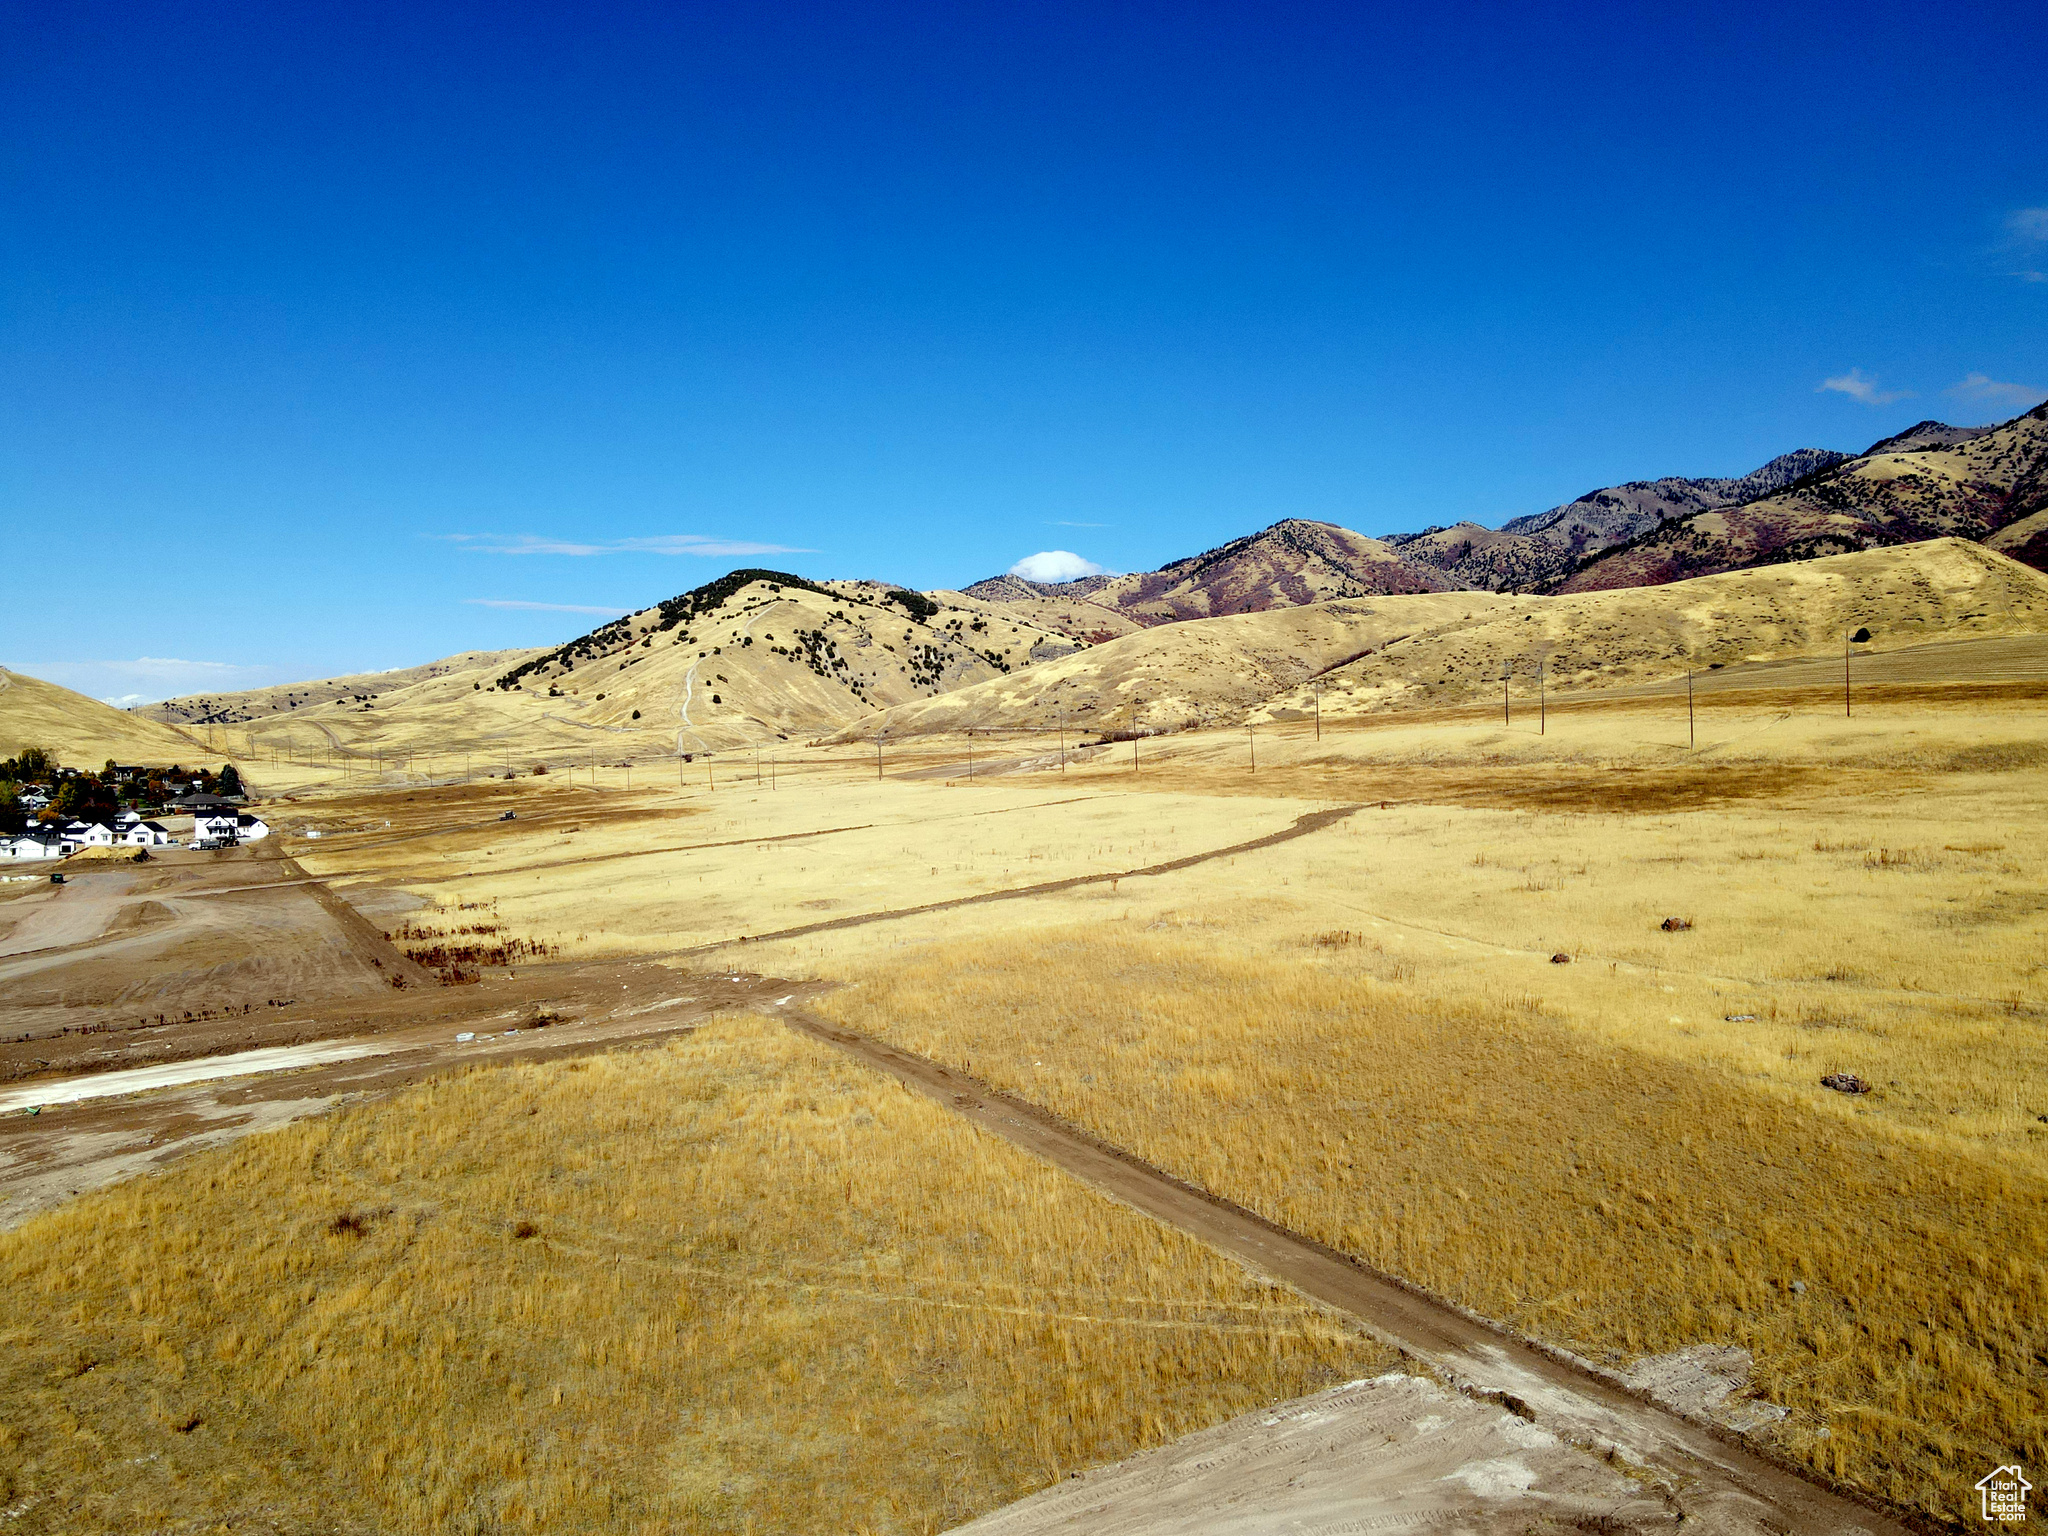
(761, 656)
(1933, 480)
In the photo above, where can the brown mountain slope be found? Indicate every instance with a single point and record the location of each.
(1172, 676)
(1909, 595)
(754, 657)
(1291, 563)
(1544, 545)
(1989, 488)
(81, 732)
(1449, 648)
(256, 704)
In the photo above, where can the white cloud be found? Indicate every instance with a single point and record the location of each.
(660, 544)
(1062, 523)
(1857, 386)
(146, 679)
(1978, 387)
(525, 607)
(2026, 238)
(1055, 565)
(2029, 225)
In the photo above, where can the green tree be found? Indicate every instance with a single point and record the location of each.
(230, 780)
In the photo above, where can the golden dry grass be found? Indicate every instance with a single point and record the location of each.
(1609, 1200)
(1626, 1153)
(736, 1284)
(84, 733)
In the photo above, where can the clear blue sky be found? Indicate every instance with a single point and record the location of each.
(325, 326)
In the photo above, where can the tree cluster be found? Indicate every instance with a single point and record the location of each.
(82, 795)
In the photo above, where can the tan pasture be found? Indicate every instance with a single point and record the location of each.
(734, 1284)
(1365, 1033)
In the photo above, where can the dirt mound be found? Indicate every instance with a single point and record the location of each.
(1391, 1453)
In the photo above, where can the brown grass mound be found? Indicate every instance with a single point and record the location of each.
(737, 1284)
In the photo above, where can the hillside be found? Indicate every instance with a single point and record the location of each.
(1290, 563)
(84, 733)
(1067, 611)
(256, 704)
(754, 656)
(1543, 545)
(1173, 676)
(1408, 651)
(1991, 487)
(1911, 595)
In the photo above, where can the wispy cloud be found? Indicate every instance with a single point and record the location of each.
(146, 679)
(659, 544)
(1064, 524)
(526, 607)
(1055, 565)
(1992, 392)
(2026, 244)
(1857, 385)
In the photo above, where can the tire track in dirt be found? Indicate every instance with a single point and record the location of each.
(1706, 1473)
(1313, 821)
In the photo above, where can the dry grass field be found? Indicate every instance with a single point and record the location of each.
(736, 1284)
(1449, 1031)
(1613, 1201)
(1363, 1033)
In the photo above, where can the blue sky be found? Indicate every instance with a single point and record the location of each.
(345, 337)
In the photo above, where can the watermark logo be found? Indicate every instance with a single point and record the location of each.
(2004, 1492)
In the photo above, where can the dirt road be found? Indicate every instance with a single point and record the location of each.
(1716, 1481)
(1302, 826)
(92, 1129)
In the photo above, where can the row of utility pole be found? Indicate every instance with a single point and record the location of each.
(771, 776)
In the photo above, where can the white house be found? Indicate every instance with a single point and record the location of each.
(144, 834)
(251, 828)
(81, 834)
(33, 797)
(215, 828)
(31, 845)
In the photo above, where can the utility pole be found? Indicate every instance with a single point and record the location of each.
(1319, 708)
(1134, 736)
(1063, 741)
(1689, 737)
(970, 751)
(1845, 678)
(1252, 742)
(1542, 699)
(1504, 671)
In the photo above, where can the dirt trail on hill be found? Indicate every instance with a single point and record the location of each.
(1712, 1478)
